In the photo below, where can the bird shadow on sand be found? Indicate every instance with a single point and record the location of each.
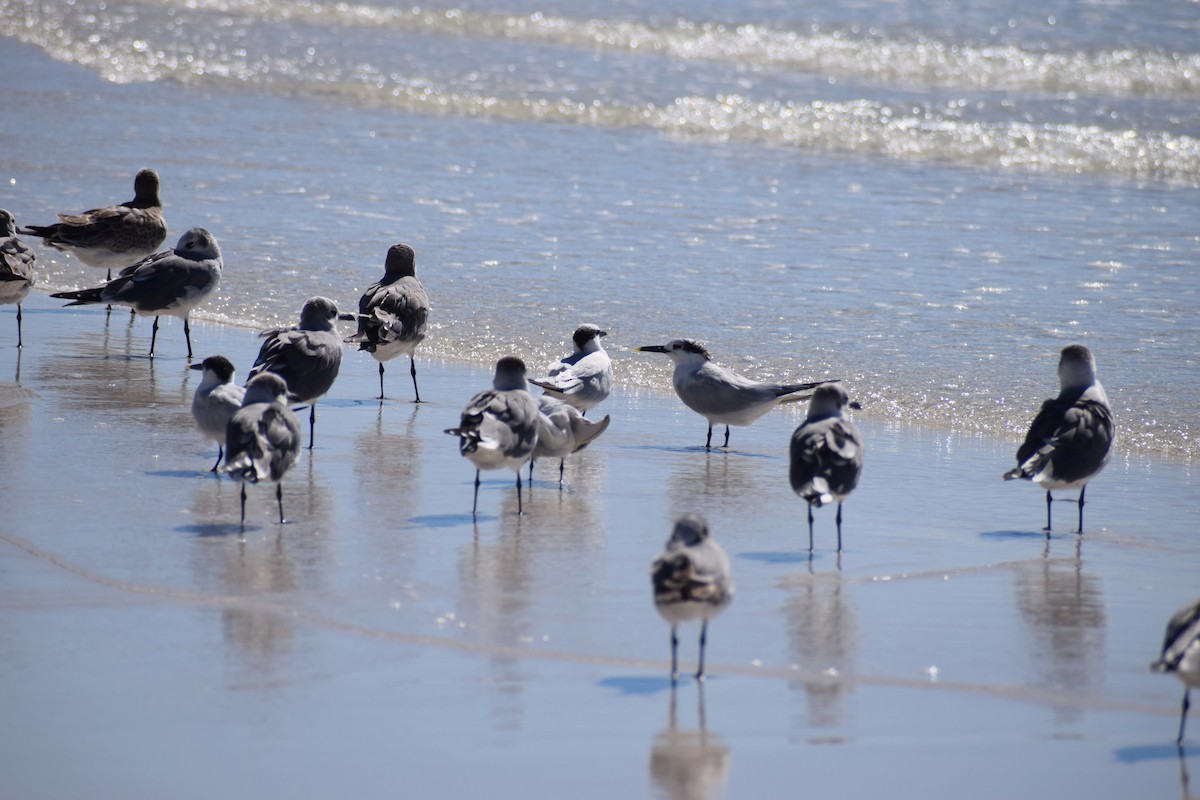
(637, 685)
(719, 451)
(1142, 753)
(441, 521)
(215, 529)
(1007, 535)
(178, 473)
(780, 557)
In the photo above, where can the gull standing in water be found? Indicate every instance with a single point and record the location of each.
(826, 455)
(307, 357)
(499, 426)
(691, 580)
(169, 283)
(721, 395)
(562, 430)
(1070, 438)
(115, 236)
(392, 314)
(215, 401)
(584, 378)
(1181, 655)
(262, 440)
(16, 267)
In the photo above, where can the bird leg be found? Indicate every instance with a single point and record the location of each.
(220, 455)
(1049, 500)
(810, 539)
(561, 462)
(531, 475)
(380, 380)
(312, 423)
(520, 510)
(19, 342)
(475, 504)
(1081, 492)
(839, 526)
(708, 441)
(153, 336)
(243, 506)
(726, 437)
(412, 370)
(1183, 716)
(674, 655)
(703, 640)
(187, 335)
(279, 499)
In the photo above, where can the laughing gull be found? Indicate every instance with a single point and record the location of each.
(112, 237)
(826, 455)
(1070, 438)
(721, 395)
(307, 357)
(499, 427)
(262, 440)
(215, 401)
(691, 581)
(1181, 655)
(584, 378)
(16, 267)
(392, 314)
(169, 283)
(562, 430)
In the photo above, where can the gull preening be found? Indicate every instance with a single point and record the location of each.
(215, 401)
(170, 283)
(584, 378)
(499, 426)
(1070, 438)
(1181, 655)
(307, 357)
(392, 314)
(115, 236)
(826, 455)
(562, 430)
(719, 394)
(16, 267)
(262, 440)
(691, 581)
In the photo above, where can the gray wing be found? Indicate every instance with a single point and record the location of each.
(163, 282)
(118, 229)
(826, 458)
(308, 361)
(715, 390)
(16, 260)
(691, 576)
(1071, 433)
(392, 312)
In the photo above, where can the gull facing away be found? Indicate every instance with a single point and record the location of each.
(691, 581)
(562, 430)
(307, 357)
(115, 236)
(262, 440)
(169, 283)
(1070, 438)
(718, 394)
(392, 314)
(584, 378)
(499, 426)
(826, 455)
(215, 401)
(1181, 655)
(16, 267)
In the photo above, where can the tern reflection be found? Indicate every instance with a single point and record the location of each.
(689, 764)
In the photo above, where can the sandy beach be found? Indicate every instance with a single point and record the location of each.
(383, 644)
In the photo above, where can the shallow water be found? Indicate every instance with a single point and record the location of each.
(382, 639)
(927, 207)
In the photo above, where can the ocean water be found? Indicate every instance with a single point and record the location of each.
(925, 200)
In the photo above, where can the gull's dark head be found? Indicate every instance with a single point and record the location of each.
(401, 261)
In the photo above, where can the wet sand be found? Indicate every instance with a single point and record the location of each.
(382, 644)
